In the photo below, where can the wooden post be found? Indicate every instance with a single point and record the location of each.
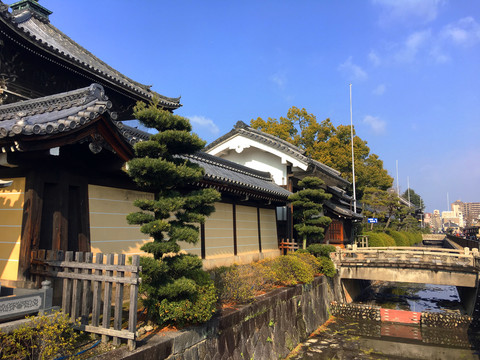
(132, 316)
(107, 299)
(67, 286)
(117, 321)
(86, 284)
(77, 290)
(97, 294)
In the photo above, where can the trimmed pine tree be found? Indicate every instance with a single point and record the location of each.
(308, 208)
(176, 289)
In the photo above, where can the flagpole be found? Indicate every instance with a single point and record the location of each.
(408, 189)
(353, 158)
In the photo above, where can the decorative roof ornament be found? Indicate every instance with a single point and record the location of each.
(4, 183)
(33, 7)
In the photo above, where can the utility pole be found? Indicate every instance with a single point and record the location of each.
(353, 158)
(408, 190)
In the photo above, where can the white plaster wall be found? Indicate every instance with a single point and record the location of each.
(257, 155)
(259, 160)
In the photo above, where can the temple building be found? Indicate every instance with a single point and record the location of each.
(288, 164)
(63, 149)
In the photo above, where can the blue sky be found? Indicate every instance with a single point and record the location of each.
(414, 66)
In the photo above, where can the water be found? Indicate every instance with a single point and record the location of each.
(413, 297)
(344, 339)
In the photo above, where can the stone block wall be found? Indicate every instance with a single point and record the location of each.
(445, 320)
(355, 311)
(267, 329)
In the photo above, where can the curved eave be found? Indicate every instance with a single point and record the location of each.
(100, 125)
(225, 186)
(48, 52)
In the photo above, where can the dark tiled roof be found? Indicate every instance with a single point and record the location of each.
(342, 194)
(226, 172)
(241, 128)
(60, 113)
(35, 27)
(342, 211)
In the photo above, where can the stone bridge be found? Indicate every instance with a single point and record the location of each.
(439, 266)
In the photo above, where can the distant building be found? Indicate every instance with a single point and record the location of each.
(436, 221)
(468, 211)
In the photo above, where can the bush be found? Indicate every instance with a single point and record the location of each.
(189, 311)
(291, 270)
(237, 283)
(414, 237)
(375, 239)
(400, 238)
(387, 240)
(321, 249)
(327, 267)
(309, 259)
(45, 337)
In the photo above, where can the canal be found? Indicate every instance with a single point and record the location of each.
(344, 339)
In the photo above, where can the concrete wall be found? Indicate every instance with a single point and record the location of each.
(11, 215)
(410, 275)
(267, 329)
(109, 230)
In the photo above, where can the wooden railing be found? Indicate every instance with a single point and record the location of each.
(85, 281)
(287, 245)
(407, 256)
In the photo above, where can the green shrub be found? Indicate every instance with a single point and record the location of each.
(327, 267)
(400, 238)
(414, 237)
(291, 270)
(321, 249)
(387, 239)
(309, 259)
(44, 337)
(189, 311)
(238, 283)
(375, 239)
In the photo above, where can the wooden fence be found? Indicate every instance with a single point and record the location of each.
(287, 245)
(85, 281)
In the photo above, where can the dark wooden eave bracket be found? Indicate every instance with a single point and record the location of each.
(100, 125)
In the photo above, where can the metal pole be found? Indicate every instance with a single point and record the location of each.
(353, 158)
(398, 187)
(408, 190)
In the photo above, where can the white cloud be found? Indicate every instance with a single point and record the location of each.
(279, 79)
(413, 45)
(374, 58)
(465, 32)
(352, 71)
(204, 122)
(377, 125)
(380, 89)
(408, 11)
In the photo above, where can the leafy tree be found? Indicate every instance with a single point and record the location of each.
(330, 145)
(384, 205)
(415, 199)
(307, 209)
(173, 281)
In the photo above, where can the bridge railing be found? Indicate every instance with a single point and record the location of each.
(406, 255)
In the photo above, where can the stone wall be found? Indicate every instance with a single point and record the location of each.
(267, 329)
(355, 311)
(445, 320)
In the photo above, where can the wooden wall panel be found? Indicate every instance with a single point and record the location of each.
(247, 229)
(109, 230)
(219, 232)
(268, 229)
(11, 215)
